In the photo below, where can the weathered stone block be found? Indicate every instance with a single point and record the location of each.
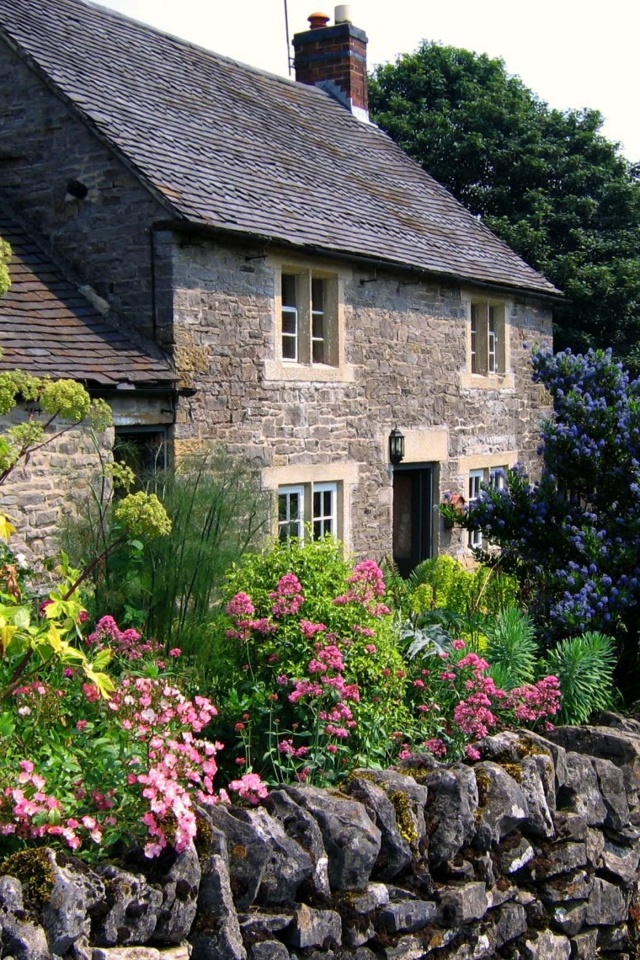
(132, 908)
(287, 865)
(269, 950)
(450, 812)
(547, 946)
(607, 904)
(569, 917)
(501, 805)
(462, 904)
(216, 933)
(406, 916)
(350, 837)
(395, 852)
(301, 826)
(315, 928)
(248, 855)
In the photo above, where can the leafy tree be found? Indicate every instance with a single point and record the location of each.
(573, 538)
(5, 253)
(546, 181)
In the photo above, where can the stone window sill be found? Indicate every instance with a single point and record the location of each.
(491, 381)
(318, 373)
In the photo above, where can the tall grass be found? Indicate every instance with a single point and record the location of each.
(169, 587)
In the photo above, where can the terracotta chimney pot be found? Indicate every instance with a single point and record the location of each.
(318, 20)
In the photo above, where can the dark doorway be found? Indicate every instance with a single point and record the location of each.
(412, 516)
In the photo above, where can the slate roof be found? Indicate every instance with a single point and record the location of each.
(48, 326)
(232, 147)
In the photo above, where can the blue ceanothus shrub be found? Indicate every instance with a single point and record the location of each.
(573, 539)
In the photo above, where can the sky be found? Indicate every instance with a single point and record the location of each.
(570, 52)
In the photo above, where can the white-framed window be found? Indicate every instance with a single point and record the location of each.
(476, 479)
(488, 340)
(308, 318)
(291, 512)
(495, 477)
(316, 504)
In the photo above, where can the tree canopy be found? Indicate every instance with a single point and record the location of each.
(5, 253)
(546, 181)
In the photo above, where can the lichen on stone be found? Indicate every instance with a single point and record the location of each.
(34, 871)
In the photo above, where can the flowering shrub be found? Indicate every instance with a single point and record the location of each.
(572, 539)
(308, 671)
(90, 771)
(456, 702)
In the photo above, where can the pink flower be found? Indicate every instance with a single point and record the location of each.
(241, 606)
(250, 787)
(436, 746)
(472, 752)
(458, 644)
(175, 652)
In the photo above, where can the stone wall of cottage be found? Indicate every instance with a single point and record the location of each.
(51, 485)
(532, 853)
(407, 347)
(105, 237)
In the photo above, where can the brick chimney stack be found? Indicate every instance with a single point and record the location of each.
(335, 59)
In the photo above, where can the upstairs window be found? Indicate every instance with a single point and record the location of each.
(488, 338)
(309, 319)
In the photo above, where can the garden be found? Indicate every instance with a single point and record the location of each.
(172, 659)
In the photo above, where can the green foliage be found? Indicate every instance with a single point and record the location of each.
(546, 181)
(62, 403)
(584, 665)
(170, 585)
(511, 648)
(256, 662)
(142, 515)
(5, 254)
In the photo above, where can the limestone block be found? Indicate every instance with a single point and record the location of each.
(584, 945)
(248, 854)
(450, 811)
(406, 916)
(217, 930)
(20, 938)
(269, 950)
(461, 904)
(65, 917)
(350, 837)
(302, 827)
(502, 804)
(315, 928)
(132, 908)
(547, 946)
(395, 852)
(607, 904)
(180, 888)
(287, 865)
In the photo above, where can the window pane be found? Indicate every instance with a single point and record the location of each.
(474, 338)
(289, 333)
(318, 352)
(290, 514)
(289, 290)
(324, 510)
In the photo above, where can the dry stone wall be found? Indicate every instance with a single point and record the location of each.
(531, 852)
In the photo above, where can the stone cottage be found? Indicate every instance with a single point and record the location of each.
(316, 292)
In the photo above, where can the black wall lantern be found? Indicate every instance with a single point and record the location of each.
(396, 446)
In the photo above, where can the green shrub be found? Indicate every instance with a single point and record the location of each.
(286, 608)
(584, 665)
